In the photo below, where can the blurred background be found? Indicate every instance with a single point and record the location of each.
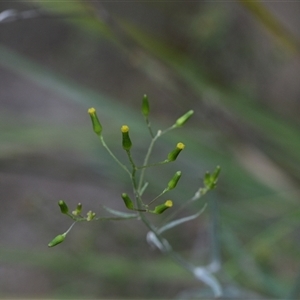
(236, 64)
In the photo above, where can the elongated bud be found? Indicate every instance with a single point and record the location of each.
(180, 121)
(145, 106)
(173, 155)
(161, 208)
(173, 182)
(128, 202)
(216, 173)
(210, 180)
(78, 209)
(97, 127)
(207, 179)
(90, 216)
(63, 207)
(126, 142)
(57, 240)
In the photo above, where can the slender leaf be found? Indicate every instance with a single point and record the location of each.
(181, 221)
(120, 213)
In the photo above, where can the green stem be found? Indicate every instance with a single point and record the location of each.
(215, 232)
(141, 181)
(138, 198)
(145, 164)
(168, 129)
(69, 229)
(149, 127)
(167, 248)
(153, 165)
(115, 218)
(113, 156)
(197, 196)
(162, 193)
(134, 168)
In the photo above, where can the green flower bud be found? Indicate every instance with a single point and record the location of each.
(210, 180)
(78, 209)
(207, 179)
(216, 173)
(145, 106)
(57, 240)
(173, 182)
(161, 208)
(128, 202)
(90, 216)
(173, 155)
(126, 142)
(63, 206)
(97, 127)
(180, 121)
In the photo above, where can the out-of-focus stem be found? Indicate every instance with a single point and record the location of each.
(113, 156)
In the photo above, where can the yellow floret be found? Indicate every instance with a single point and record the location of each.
(169, 203)
(91, 110)
(124, 128)
(180, 146)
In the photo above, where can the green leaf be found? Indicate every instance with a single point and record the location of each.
(181, 221)
(119, 213)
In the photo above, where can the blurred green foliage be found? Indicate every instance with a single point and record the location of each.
(254, 141)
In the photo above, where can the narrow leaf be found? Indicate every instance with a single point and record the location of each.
(181, 221)
(119, 213)
(144, 188)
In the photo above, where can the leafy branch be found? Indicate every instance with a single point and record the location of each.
(139, 207)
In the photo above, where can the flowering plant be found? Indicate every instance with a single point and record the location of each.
(138, 207)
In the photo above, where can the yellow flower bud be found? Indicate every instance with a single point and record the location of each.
(173, 155)
(126, 141)
(161, 208)
(180, 146)
(97, 127)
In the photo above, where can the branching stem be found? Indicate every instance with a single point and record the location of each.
(113, 156)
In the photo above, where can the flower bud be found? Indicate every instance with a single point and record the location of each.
(78, 209)
(180, 121)
(210, 180)
(57, 240)
(126, 142)
(216, 173)
(63, 207)
(145, 106)
(128, 202)
(173, 182)
(207, 179)
(161, 208)
(90, 216)
(173, 155)
(97, 127)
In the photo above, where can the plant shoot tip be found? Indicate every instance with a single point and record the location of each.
(124, 128)
(180, 146)
(169, 203)
(91, 110)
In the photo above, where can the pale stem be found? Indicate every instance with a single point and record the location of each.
(113, 156)
(145, 164)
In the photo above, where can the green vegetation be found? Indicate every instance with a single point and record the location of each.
(227, 62)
